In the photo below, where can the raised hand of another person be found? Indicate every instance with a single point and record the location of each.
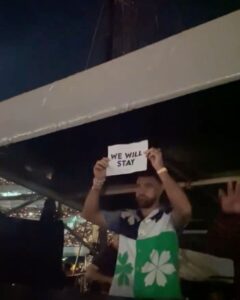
(230, 200)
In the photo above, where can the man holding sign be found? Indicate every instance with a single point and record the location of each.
(126, 159)
(147, 245)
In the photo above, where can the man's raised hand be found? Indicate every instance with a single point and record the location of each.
(100, 168)
(155, 157)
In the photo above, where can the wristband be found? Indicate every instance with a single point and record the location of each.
(97, 183)
(162, 170)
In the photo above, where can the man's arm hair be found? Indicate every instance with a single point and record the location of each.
(91, 210)
(181, 207)
(93, 274)
(180, 204)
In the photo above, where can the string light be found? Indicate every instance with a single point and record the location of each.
(4, 181)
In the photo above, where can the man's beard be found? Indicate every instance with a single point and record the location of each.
(144, 202)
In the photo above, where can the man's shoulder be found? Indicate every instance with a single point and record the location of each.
(130, 216)
(163, 218)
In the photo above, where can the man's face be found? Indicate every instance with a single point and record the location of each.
(148, 191)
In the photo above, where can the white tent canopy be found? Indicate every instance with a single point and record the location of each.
(205, 56)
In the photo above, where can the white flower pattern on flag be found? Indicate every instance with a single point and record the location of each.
(158, 268)
(131, 217)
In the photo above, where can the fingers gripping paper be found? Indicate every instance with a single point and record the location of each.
(127, 158)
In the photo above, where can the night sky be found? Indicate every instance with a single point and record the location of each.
(42, 41)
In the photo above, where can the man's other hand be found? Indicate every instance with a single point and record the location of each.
(155, 157)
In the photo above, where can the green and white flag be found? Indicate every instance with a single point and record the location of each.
(147, 268)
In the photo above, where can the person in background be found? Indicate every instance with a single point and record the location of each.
(224, 235)
(49, 211)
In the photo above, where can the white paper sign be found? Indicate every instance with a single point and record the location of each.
(127, 158)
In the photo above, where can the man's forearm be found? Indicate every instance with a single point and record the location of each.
(91, 209)
(177, 197)
(93, 274)
(179, 201)
(102, 278)
(91, 205)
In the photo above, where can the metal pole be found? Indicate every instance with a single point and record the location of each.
(79, 238)
(77, 257)
(27, 203)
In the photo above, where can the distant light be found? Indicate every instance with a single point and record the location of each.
(15, 193)
(28, 168)
(49, 175)
(30, 214)
(10, 194)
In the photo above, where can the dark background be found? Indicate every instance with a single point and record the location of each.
(43, 41)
